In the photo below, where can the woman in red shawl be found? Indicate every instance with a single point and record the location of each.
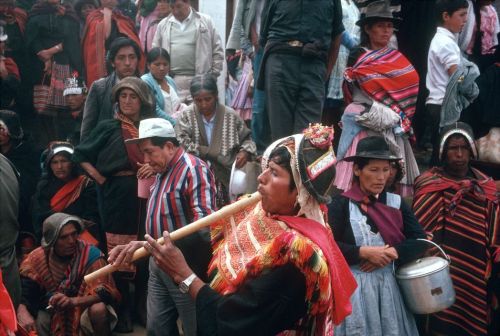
(63, 188)
(103, 26)
(381, 87)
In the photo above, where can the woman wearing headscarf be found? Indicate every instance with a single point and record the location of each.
(381, 86)
(55, 300)
(63, 188)
(115, 168)
(215, 133)
(373, 229)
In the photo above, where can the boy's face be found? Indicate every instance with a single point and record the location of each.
(456, 21)
(75, 101)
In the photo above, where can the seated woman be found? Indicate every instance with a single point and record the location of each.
(215, 133)
(63, 188)
(381, 87)
(374, 228)
(168, 103)
(115, 167)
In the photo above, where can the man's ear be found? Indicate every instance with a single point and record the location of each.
(445, 16)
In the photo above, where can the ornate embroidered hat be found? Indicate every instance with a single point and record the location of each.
(74, 85)
(313, 167)
(317, 161)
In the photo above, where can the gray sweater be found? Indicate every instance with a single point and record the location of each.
(461, 91)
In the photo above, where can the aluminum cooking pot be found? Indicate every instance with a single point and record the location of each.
(426, 283)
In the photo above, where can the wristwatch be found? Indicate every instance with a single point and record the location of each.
(184, 285)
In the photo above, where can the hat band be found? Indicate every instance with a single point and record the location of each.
(376, 154)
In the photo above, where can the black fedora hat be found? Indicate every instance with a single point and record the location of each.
(373, 147)
(377, 11)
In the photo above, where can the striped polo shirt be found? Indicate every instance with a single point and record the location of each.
(181, 195)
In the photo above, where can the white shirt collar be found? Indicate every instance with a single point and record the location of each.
(186, 20)
(209, 121)
(447, 33)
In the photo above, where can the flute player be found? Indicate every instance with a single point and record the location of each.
(184, 191)
(276, 267)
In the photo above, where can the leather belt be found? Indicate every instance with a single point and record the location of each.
(295, 43)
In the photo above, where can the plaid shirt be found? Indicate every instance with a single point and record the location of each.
(181, 195)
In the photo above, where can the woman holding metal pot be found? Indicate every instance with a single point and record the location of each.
(373, 229)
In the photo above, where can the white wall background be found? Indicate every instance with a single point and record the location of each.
(216, 9)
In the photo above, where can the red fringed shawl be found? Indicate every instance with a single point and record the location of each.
(94, 39)
(388, 77)
(236, 258)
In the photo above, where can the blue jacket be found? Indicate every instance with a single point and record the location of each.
(156, 91)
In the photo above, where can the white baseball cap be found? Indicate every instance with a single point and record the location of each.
(154, 127)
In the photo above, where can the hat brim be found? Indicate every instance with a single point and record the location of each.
(394, 20)
(371, 156)
(136, 140)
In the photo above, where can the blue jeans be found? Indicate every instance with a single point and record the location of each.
(166, 303)
(260, 122)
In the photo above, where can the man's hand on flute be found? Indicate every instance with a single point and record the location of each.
(121, 255)
(170, 260)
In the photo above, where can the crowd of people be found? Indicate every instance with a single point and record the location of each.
(364, 125)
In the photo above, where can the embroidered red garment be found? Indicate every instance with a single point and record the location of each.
(250, 242)
(94, 40)
(388, 77)
(342, 281)
(388, 220)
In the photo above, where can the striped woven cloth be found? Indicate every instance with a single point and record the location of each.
(388, 77)
(464, 217)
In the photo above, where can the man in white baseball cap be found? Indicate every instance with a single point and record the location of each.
(184, 191)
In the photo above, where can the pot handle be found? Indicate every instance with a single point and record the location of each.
(447, 257)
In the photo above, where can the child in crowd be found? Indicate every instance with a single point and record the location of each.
(442, 61)
(75, 92)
